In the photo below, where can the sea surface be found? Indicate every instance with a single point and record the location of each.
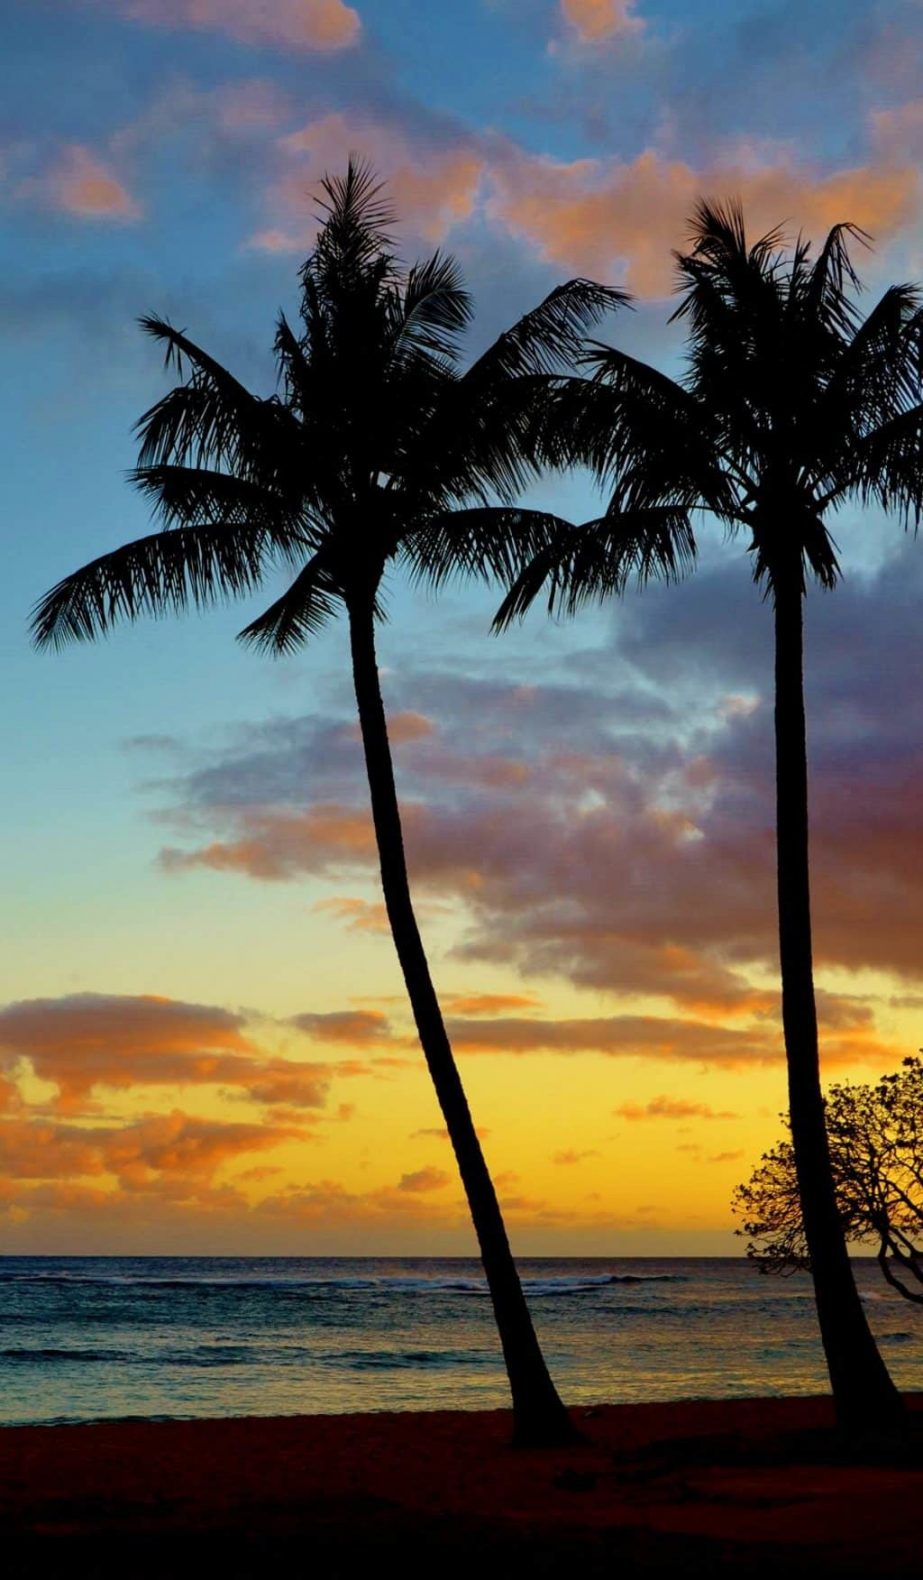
(86, 1338)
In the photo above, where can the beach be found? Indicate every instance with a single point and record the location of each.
(761, 1486)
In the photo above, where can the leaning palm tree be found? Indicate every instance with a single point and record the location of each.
(792, 404)
(375, 438)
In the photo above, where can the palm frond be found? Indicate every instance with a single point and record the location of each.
(355, 229)
(875, 377)
(212, 418)
(833, 277)
(594, 561)
(887, 466)
(189, 496)
(303, 610)
(432, 311)
(164, 573)
(550, 338)
(490, 543)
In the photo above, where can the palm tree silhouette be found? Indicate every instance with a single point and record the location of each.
(357, 465)
(792, 403)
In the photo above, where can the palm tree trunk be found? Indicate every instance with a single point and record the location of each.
(540, 1418)
(864, 1395)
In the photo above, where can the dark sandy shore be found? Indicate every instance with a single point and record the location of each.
(758, 1487)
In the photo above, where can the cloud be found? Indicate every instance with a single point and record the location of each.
(292, 24)
(140, 1155)
(409, 726)
(426, 1179)
(78, 182)
(569, 1157)
(432, 185)
(277, 846)
(670, 1108)
(616, 218)
(595, 20)
(627, 846)
(357, 915)
(619, 1036)
(897, 132)
(88, 1041)
(360, 1028)
(487, 1003)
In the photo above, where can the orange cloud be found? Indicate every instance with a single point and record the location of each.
(594, 20)
(80, 183)
(357, 915)
(87, 1041)
(488, 1003)
(296, 24)
(410, 726)
(608, 218)
(570, 1157)
(136, 1155)
(282, 844)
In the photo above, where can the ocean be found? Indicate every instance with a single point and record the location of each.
(88, 1338)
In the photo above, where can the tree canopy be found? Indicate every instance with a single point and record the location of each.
(876, 1149)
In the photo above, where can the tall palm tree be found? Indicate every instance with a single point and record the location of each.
(377, 451)
(792, 403)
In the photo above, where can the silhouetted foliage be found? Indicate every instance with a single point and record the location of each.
(377, 451)
(791, 405)
(876, 1151)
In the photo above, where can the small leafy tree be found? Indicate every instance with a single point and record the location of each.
(876, 1151)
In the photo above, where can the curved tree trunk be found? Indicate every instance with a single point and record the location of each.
(864, 1395)
(540, 1418)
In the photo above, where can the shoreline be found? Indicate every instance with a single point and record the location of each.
(701, 1487)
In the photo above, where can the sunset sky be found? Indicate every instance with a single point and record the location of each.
(204, 1044)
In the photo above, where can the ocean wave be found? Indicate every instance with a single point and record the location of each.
(325, 1287)
(26, 1356)
(406, 1360)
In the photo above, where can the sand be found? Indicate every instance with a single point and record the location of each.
(746, 1486)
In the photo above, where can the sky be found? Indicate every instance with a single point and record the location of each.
(204, 1043)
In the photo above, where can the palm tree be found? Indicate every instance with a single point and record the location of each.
(377, 451)
(792, 404)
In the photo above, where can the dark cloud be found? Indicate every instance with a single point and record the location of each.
(619, 832)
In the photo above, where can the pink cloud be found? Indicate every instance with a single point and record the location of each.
(431, 188)
(80, 183)
(295, 24)
(595, 20)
